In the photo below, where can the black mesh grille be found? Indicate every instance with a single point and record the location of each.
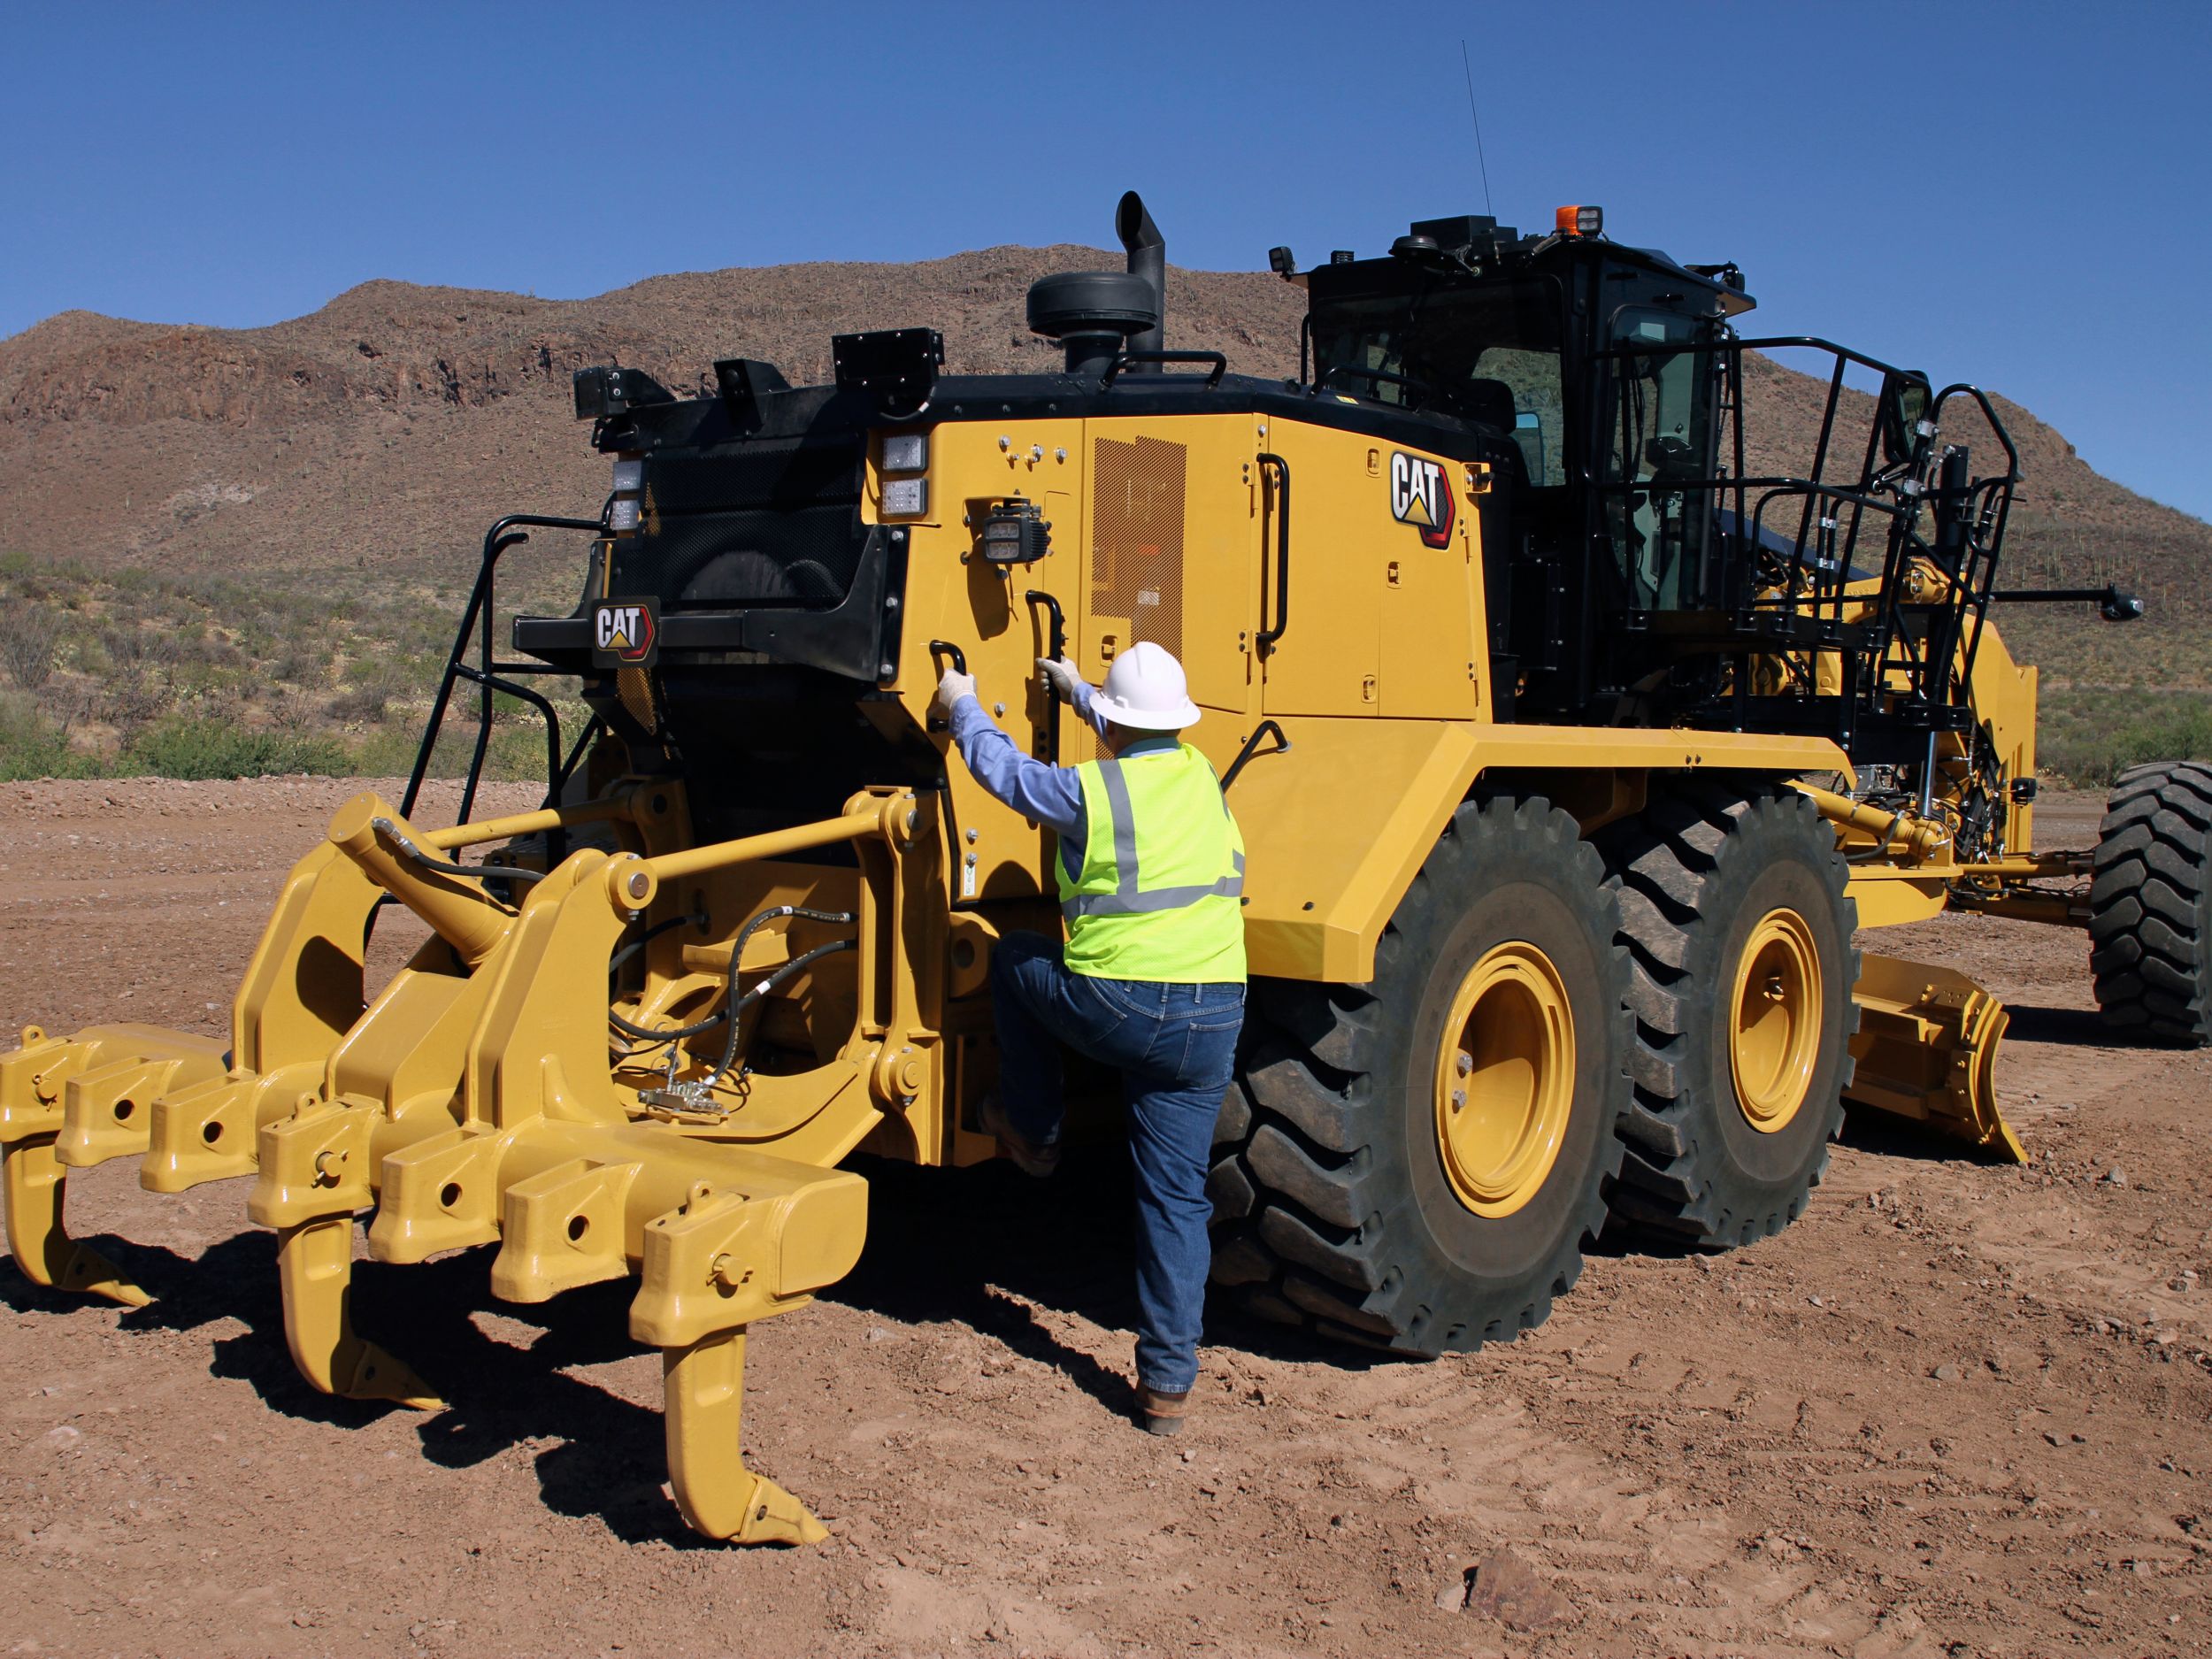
(1137, 539)
(759, 524)
(765, 473)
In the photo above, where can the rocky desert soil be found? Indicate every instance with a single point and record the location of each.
(1960, 1407)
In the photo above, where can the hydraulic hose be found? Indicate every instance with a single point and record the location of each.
(646, 938)
(393, 834)
(738, 1006)
(731, 1003)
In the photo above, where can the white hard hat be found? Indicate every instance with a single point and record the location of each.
(1144, 691)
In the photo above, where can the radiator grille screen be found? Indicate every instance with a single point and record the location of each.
(767, 523)
(1137, 538)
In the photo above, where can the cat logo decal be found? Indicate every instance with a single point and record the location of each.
(1421, 496)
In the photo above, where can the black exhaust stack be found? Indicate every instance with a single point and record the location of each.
(1140, 239)
(1097, 315)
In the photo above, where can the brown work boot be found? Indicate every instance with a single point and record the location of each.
(1160, 1413)
(1028, 1157)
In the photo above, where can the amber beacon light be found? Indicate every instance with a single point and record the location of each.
(1579, 221)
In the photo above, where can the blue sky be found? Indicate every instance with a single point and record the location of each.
(2015, 194)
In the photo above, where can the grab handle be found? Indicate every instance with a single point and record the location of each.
(1267, 728)
(946, 647)
(1265, 639)
(1056, 648)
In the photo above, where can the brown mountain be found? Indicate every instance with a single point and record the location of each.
(388, 429)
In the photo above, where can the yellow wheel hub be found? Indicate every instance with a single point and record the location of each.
(1774, 1037)
(1505, 1075)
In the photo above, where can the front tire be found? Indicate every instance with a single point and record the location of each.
(1734, 911)
(1418, 1162)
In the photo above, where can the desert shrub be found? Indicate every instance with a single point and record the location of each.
(2088, 737)
(303, 665)
(200, 748)
(28, 644)
(32, 746)
(388, 751)
(517, 752)
(367, 700)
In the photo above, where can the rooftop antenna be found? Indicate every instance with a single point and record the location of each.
(1481, 161)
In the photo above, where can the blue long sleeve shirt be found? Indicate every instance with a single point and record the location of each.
(1053, 795)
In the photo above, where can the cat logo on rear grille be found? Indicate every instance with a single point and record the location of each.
(626, 632)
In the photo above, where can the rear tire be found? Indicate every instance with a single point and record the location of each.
(1738, 933)
(1353, 1193)
(2150, 905)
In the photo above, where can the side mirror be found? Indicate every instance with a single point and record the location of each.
(1906, 398)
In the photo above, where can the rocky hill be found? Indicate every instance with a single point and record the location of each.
(378, 436)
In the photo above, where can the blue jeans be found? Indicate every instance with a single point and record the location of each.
(1175, 1045)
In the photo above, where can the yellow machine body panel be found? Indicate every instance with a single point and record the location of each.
(1376, 682)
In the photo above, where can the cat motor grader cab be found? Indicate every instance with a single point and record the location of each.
(1569, 749)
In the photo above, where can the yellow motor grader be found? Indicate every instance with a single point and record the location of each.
(1570, 753)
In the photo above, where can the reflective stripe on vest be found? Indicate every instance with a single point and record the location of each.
(1159, 895)
(1127, 899)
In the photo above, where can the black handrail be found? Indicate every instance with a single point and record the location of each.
(592, 728)
(1121, 360)
(1252, 747)
(494, 682)
(479, 611)
(1265, 641)
(1379, 376)
(1918, 653)
(1056, 648)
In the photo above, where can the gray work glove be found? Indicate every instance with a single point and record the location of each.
(954, 686)
(1062, 674)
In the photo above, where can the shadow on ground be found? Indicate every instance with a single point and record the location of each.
(610, 1457)
(982, 1247)
(2068, 1027)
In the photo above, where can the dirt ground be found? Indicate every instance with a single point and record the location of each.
(1959, 1409)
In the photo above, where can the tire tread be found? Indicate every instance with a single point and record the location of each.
(1300, 1203)
(2150, 909)
(1662, 862)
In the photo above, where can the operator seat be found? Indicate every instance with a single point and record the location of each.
(1490, 403)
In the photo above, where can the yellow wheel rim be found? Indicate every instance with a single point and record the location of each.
(1505, 1078)
(1774, 1037)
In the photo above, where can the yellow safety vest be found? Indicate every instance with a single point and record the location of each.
(1160, 893)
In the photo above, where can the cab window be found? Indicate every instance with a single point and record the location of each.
(1660, 421)
(1486, 352)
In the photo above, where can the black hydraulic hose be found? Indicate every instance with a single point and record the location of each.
(648, 937)
(731, 1003)
(501, 872)
(740, 1004)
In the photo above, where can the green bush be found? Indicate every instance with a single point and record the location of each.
(2088, 737)
(32, 746)
(199, 750)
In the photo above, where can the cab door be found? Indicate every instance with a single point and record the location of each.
(1325, 551)
(1431, 609)
(1378, 615)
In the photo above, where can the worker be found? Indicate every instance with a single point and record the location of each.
(1150, 979)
